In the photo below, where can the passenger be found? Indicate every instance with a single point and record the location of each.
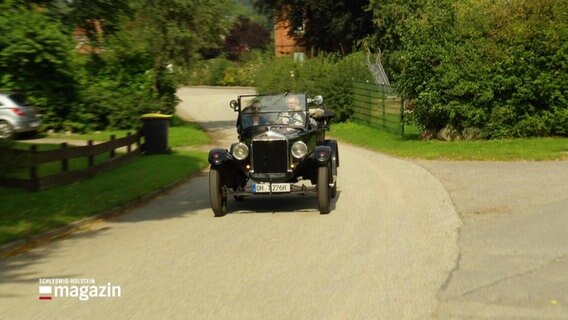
(294, 115)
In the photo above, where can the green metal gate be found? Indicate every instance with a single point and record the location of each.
(378, 107)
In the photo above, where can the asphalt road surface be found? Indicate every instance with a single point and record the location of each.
(513, 261)
(384, 252)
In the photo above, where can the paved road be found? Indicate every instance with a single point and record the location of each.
(394, 246)
(384, 252)
(513, 244)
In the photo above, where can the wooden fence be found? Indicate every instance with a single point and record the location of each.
(377, 106)
(32, 159)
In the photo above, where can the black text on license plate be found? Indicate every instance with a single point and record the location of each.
(265, 187)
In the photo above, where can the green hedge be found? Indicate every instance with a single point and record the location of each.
(496, 67)
(326, 75)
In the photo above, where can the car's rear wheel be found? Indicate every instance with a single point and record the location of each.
(218, 201)
(6, 130)
(324, 194)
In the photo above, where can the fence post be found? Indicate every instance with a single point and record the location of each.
(64, 162)
(91, 157)
(139, 138)
(402, 118)
(112, 151)
(129, 146)
(33, 168)
(382, 93)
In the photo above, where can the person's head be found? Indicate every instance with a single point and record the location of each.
(255, 107)
(293, 103)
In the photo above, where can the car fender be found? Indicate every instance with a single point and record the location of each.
(218, 156)
(335, 150)
(322, 155)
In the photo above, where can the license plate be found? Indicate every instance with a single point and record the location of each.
(265, 187)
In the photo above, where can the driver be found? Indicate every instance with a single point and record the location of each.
(294, 114)
(254, 118)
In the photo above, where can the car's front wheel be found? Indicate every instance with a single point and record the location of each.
(6, 130)
(324, 194)
(334, 190)
(218, 201)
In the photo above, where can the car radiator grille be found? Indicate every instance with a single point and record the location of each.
(270, 156)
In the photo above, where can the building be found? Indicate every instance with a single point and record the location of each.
(284, 44)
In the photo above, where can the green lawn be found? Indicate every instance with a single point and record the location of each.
(24, 214)
(484, 150)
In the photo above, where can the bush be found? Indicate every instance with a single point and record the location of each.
(223, 72)
(489, 65)
(118, 87)
(326, 75)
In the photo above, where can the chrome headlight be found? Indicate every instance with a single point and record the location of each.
(299, 149)
(240, 151)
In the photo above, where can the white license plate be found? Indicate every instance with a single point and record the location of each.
(265, 187)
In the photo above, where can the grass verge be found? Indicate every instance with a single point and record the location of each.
(24, 214)
(480, 150)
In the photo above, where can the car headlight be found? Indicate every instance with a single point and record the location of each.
(240, 151)
(299, 149)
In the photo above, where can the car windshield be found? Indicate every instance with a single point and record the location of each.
(287, 110)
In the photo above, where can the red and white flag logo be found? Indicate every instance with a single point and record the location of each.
(45, 293)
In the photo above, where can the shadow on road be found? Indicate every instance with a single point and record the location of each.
(15, 269)
(278, 204)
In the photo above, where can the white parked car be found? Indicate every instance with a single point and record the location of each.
(16, 115)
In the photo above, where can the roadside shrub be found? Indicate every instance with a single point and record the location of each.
(223, 72)
(328, 75)
(559, 121)
(113, 103)
(118, 87)
(502, 68)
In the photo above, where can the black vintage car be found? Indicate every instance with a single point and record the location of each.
(281, 147)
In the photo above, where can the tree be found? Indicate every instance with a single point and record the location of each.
(96, 17)
(139, 43)
(173, 31)
(36, 58)
(324, 25)
(134, 74)
(391, 18)
(245, 36)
